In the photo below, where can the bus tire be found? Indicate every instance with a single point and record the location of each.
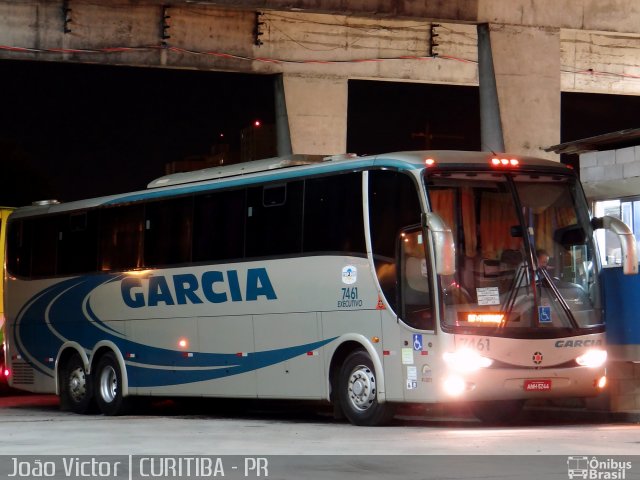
(76, 392)
(501, 412)
(108, 387)
(358, 392)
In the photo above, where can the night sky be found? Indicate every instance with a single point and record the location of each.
(71, 131)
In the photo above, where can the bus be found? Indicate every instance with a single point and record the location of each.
(366, 282)
(4, 215)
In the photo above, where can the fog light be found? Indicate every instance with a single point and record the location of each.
(454, 385)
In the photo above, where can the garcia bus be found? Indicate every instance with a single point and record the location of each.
(365, 282)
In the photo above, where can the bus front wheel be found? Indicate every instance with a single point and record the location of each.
(76, 393)
(108, 387)
(358, 392)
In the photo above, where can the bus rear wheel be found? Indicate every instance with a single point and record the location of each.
(108, 387)
(502, 412)
(76, 393)
(358, 392)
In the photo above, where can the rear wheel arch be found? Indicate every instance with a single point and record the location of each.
(65, 353)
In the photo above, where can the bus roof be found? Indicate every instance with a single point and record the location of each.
(285, 169)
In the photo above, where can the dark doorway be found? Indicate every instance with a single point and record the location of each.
(72, 131)
(391, 116)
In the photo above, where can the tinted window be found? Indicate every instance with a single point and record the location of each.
(168, 228)
(44, 235)
(333, 214)
(78, 243)
(121, 237)
(19, 248)
(218, 226)
(274, 220)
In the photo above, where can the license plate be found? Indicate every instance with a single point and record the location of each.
(537, 385)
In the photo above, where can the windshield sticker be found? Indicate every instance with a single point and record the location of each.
(407, 356)
(544, 314)
(488, 296)
(349, 275)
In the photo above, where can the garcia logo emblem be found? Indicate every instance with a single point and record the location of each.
(537, 358)
(349, 275)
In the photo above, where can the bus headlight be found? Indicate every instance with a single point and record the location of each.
(593, 358)
(466, 360)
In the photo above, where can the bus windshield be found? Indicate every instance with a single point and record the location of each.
(525, 263)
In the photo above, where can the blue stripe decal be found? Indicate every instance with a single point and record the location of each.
(283, 174)
(56, 315)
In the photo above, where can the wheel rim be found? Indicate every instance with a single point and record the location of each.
(361, 388)
(108, 384)
(77, 384)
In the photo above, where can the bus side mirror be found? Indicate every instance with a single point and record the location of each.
(627, 241)
(444, 246)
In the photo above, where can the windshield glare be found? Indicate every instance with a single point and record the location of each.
(524, 256)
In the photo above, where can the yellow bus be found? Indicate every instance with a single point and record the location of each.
(4, 214)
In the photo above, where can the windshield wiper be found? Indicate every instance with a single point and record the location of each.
(516, 284)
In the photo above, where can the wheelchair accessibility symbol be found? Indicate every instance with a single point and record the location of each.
(417, 342)
(544, 314)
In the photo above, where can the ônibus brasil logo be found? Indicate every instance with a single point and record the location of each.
(595, 468)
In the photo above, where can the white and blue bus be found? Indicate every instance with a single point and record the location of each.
(365, 282)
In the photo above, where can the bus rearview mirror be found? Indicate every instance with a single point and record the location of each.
(444, 246)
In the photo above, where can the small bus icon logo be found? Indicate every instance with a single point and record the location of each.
(578, 467)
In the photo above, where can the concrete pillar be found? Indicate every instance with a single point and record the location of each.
(283, 135)
(316, 108)
(527, 66)
(491, 137)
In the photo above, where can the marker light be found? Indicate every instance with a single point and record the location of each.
(593, 358)
(504, 162)
(454, 385)
(466, 360)
(182, 343)
(429, 162)
(6, 372)
(602, 382)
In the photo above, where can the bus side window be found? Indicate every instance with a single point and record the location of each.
(44, 236)
(274, 220)
(218, 226)
(121, 237)
(19, 248)
(168, 229)
(393, 206)
(333, 215)
(78, 243)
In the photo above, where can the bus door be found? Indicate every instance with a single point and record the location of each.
(417, 312)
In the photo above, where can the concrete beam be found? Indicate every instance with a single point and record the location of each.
(604, 15)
